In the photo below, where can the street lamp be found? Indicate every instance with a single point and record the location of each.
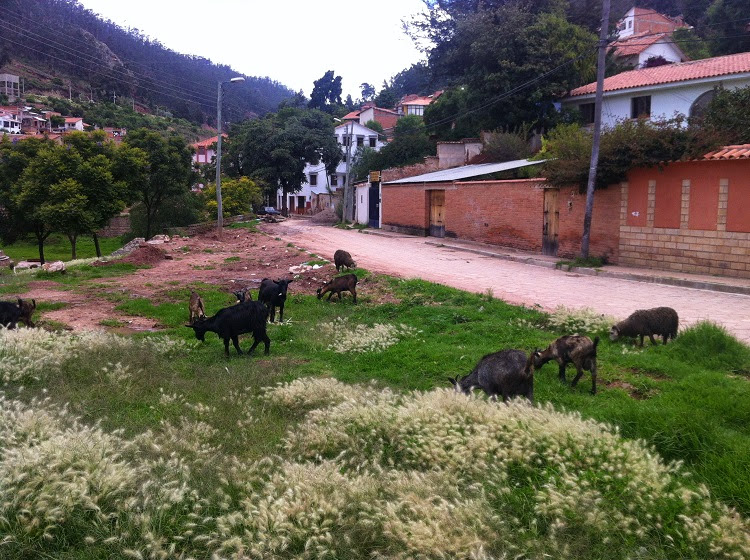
(220, 209)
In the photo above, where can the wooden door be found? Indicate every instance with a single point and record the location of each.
(437, 213)
(551, 219)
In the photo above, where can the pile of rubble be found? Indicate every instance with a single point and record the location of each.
(5, 260)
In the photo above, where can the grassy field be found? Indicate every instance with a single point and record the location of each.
(199, 423)
(57, 248)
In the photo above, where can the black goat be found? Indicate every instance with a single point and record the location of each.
(343, 259)
(10, 312)
(273, 294)
(230, 322)
(508, 373)
(662, 321)
(345, 283)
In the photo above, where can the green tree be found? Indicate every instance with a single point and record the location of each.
(167, 172)
(16, 211)
(368, 91)
(490, 48)
(728, 24)
(326, 93)
(274, 149)
(238, 196)
(727, 116)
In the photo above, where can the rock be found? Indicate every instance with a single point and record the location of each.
(129, 247)
(156, 239)
(168, 257)
(56, 266)
(25, 265)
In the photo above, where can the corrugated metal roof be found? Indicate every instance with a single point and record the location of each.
(465, 172)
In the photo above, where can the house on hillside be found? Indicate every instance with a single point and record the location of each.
(414, 104)
(644, 34)
(662, 92)
(205, 150)
(74, 123)
(318, 182)
(9, 122)
(387, 118)
(10, 86)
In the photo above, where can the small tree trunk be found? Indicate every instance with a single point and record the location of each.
(40, 244)
(73, 240)
(284, 206)
(148, 224)
(96, 245)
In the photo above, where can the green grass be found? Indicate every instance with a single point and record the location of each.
(232, 259)
(57, 248)
(252, 225)
(579, 262)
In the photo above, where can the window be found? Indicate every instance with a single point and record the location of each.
(334, 180)
(360, 141)
(640, 107)
(344, 140)
(373, 141)
(587, 112)
(313, 179)
(630, 23)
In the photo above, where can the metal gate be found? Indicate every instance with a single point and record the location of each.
(437, 213)
(374, 213)
(551, 219)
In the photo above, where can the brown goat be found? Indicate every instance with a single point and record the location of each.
(27, 310)
(197, 310)
(345, 283)
(572, 349)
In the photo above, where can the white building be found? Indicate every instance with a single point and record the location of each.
(73, 123)
(318, 181)
(644, 34)
(662, 92)
(9, 122)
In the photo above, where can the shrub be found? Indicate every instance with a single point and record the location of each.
(582, 321)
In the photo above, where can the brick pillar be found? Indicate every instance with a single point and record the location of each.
(685, 208)
(651, 203)
(624, 203)
(721, 219)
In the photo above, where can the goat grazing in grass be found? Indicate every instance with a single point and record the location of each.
(343, 259)
(662, 321)
(230, 322)
(345, 283)
(572, 349)
(508, 373)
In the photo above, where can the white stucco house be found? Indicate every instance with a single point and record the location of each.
(644, 34)
(9, 122)
(662, 91)
(318, 182)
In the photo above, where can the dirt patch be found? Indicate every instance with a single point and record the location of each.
(144, 255)
(637, 393)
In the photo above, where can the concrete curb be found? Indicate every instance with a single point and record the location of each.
(601, 272)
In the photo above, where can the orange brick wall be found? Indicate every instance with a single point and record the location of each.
(508, 213)
(405, 209)
(712, 221)
(605, 223)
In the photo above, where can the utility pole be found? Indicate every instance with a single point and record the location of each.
(114, 97)
(70, 91)
(603, 33)
(348, 206)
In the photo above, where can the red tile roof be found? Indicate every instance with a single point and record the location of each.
(208, 142)
(73, 119)
(678, 72)
(352, 115)
(636, 44)
(737, 151)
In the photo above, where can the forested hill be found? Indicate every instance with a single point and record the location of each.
(63, 44)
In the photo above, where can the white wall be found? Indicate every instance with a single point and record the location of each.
(666, 50)
(666, 100)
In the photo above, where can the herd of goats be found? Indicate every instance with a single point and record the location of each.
(508, 373)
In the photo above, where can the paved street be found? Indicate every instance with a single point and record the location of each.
(411, 257)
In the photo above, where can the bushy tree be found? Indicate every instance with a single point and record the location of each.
(166, 174)
(728, 116)
(274, 149)
(238, 196)
(326, 93)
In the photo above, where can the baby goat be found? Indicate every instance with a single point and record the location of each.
(572, 349)
(197, 310)
(508, 373)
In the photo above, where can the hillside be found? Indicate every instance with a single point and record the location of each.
(99, 60)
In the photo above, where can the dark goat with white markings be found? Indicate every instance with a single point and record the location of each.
(230, 322)
(572, 349)
(508, 373)
(10, 312)
(273, 294)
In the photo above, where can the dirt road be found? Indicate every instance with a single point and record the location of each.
(410, 257)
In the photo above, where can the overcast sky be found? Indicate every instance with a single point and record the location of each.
(292, 41)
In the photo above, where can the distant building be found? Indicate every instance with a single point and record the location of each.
(317, 181)
(205, 150)
(74, 123)
(644, 34)
(386, 118)
(10, 86)
(414, 104)
(9, 122)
